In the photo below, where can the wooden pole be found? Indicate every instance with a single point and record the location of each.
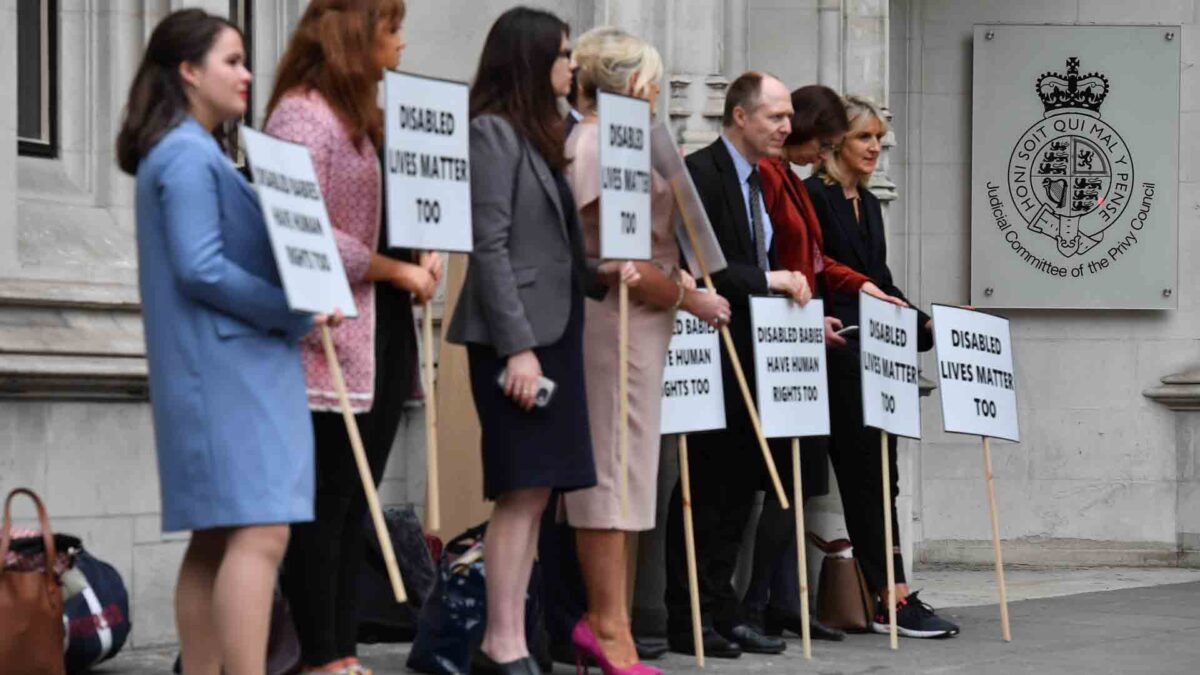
(433, 512)
(991, 492)
(801, 553)
(364, 469)
(623, 394)
(887, 537)
(734, 360)
(689, 540)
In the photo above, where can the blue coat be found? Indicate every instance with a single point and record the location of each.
(231, 420)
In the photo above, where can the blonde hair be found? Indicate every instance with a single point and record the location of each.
(860, 110)
(608, 57)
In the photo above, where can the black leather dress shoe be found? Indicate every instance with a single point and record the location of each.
(715, 645)
(649, 649)
(820, 631)
(753, 642)
(774, 623)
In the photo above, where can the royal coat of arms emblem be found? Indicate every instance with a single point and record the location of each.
(1070, 174)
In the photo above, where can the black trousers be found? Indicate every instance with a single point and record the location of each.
(320, 570)
(855, 453)
(774, 578)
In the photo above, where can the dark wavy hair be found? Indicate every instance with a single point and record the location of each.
(513, 80)
(330, 51)
(818, 112)
(157, 100)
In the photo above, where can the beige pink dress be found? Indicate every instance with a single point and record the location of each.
(649, 335)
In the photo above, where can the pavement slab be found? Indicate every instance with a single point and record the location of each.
(1140, 629)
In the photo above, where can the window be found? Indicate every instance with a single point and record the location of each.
(37, 78)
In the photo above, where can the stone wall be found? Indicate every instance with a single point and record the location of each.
(1095, 478)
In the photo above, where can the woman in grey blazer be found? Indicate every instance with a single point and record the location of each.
(521, 310)
(231, 425)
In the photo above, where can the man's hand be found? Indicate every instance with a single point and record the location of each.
(792, 284)
(832, 326)
(872, 290)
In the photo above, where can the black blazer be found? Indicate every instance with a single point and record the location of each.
(716, 182)
(865, 251)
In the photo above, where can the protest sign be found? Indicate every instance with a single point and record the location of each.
(888, 343)
(427, 163)
(975, 373)
(668, 163)
(310, 267)
(314, 281)
(624, 177)
(979, 396)
(789, 365)
(693, 394)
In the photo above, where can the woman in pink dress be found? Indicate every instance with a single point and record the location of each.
(612, 60)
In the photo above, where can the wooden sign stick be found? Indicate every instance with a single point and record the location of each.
(991, 492)
(433, 512)
(364, 469)
(801, 553)
(689, 540)
(733, 359)
(887, 537)
(623, 393)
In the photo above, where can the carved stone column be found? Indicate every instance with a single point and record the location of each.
(696, 84)
(1180, 392)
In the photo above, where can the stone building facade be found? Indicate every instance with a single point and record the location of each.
(1108, 473)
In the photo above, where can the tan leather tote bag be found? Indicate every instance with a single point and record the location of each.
(31, 605)
(843, 601)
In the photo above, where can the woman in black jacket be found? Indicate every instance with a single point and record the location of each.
(852, 225)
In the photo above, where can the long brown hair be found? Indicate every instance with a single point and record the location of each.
(513, 79)
(331, 51)
(157, 100)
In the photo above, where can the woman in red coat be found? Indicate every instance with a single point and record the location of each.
(818, 124)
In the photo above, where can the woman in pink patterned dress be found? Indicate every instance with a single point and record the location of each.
(325, 97)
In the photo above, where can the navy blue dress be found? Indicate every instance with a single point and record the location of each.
(545, 447)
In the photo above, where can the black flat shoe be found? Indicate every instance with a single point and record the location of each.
(650, 649)
(753, 642)
(774, 623)
(715, 645)
(482, 664)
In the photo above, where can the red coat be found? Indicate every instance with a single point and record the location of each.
(797, 229)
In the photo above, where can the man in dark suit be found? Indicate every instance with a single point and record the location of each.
(727, 467)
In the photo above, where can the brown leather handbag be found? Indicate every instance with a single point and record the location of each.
(843, 600)
(31, 605)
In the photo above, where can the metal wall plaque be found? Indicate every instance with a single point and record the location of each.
(1075, 166)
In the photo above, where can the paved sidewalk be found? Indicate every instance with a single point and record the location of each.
(1146, 629)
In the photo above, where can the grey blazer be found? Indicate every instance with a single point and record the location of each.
(517, 293)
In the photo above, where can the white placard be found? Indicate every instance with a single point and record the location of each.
(427, 163)
(789, 367)
(310, 266)
(668, 163)
(975, 373)
(624, 177)
(888, 344)
(693, 395)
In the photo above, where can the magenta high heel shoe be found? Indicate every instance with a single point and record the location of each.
(586, 645)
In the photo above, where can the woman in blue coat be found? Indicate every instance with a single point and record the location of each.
(231, 423)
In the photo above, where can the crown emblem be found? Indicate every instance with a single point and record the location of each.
(1072, 90)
